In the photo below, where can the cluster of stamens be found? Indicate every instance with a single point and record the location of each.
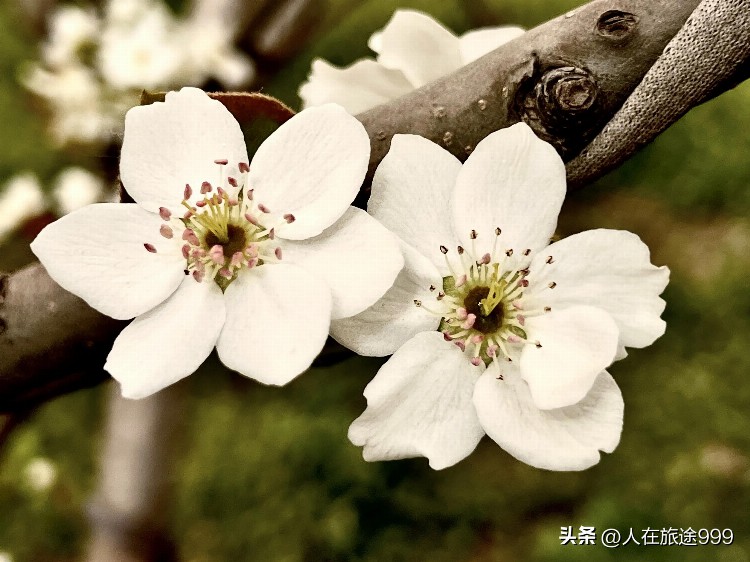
(481, 304)
(223, 233)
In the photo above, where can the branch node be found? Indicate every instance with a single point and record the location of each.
(558, 101)
(616, 25)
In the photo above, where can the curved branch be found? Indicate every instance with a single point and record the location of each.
(708, 55)
(565, 78)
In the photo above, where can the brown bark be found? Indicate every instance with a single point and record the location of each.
(565, 78)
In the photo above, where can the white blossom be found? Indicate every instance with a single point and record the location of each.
(412, 50)
(264, 257)
(71, 30)
(93, 68)
(76, 187)
(492, 328)
(142, 55)
(20, 199)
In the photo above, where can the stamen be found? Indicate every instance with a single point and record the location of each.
(222, 162)
(216, 253)
(277, 253)
(150, 247)
(165, 213)
(189, 236)
(289, 218)
(188, 192)
(166, 231)
(206, 188)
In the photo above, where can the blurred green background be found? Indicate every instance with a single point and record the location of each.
(268, 474)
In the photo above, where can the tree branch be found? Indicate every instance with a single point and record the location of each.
(566, 78)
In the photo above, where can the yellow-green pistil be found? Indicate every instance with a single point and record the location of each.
(481, 302)
(222, 233)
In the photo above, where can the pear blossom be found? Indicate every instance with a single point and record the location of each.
(254, 259)
(493, 329)
(412, 50)
(21, 198)
(142, 54)
(94, 66)
(71, 29)
(76, 187)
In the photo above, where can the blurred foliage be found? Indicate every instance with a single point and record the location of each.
(268, 474)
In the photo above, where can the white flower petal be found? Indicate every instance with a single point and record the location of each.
(394, 319)
(563, 439)
(312, 166)
(513, 181)
(277, 322)
(169, 342)
(417, 45)
(420, 404)
(358, 258)
(411, 195)
(478, 42)
(609, 269)
(576, 345)
(98, 253)
(357, 88)
(173, 143)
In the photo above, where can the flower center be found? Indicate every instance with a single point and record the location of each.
(481, 304)
(235, 240)
(489, 317)
(224, 234)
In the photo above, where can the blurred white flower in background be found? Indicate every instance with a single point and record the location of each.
(75, 188)
(412, 50)
(40, 474)
(141, 53)
(71, 29)
(93, 67)
(5, 557)
(22, 197)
